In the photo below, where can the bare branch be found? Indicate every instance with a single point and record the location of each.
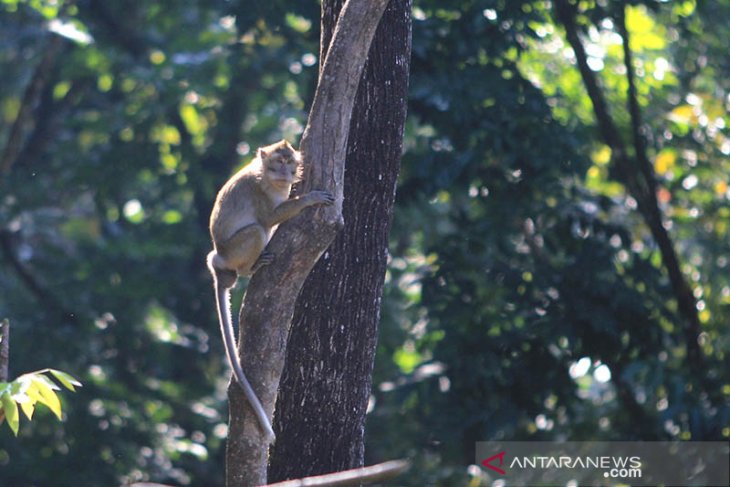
(4, 349)
(374, 473)
(633, 105)
(685, 298)
(116, 29)
(28, 278)
(640, 184)
(357, 476)
(48, 118)
(30, 97)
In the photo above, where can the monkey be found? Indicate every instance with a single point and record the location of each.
(247, 211)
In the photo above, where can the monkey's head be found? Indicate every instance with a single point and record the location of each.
(282, 165)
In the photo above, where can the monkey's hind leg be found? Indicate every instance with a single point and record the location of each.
(242, 250)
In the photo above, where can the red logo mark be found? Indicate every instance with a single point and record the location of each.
(487, 462)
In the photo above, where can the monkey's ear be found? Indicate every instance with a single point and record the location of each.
(262, 154)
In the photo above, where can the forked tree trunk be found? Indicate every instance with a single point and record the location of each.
(320, 412)
(268, 306)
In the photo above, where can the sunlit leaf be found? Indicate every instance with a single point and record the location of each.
(65, 379)
(72, 30)
(665, 161)
(683, 114)
(407, 360)
(602, 156)
(720, 188)
(47, 394)
(28, 407)
(157, 57)
(638, 20)
(171, 217)
(645, 32)
(685, 8)
(9, 108)
(191, 118)
(10, 410)
(61, 89)
(105, 82)
(298, 23)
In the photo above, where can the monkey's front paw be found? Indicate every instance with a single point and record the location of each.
(322, 198)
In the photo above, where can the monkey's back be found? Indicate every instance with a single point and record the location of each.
(236, 203)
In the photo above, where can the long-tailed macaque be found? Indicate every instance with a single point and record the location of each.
(247, 211)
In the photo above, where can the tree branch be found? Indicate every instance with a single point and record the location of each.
(30, 98)
(682, 290)
(268, 306)
(632, 102)
(4, 349)
(116, 30)
(33, 285)
(639, 184)
(47, 116)
(357, 476)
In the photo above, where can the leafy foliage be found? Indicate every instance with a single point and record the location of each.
(30, 389)
(527, 299)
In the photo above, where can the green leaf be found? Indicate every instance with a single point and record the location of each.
(47, 395)
(65, 379)
(11, 412)
(32, 392)
(28, 407)
(19, 393)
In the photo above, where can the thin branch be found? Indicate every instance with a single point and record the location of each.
(30, 98)
(115, 29)
(4, 349)
(374, 473)
(34, 286)
(47, 117)
(357, 476)
(632, 101)
(640, 184)
(682, 290)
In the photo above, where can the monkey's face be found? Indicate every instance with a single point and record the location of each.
(282, 167)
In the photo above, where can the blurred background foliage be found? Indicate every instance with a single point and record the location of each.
(525, 297)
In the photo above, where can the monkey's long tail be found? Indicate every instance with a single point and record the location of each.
(224, 318)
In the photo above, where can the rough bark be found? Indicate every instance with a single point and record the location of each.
(4, 349)
(320, 413)
(269, 302)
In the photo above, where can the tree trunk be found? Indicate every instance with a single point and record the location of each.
(268, 305)
(322, 403)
